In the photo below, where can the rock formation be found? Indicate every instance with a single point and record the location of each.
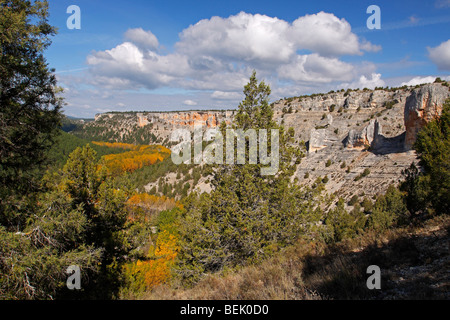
(423, 105)
(319, 139)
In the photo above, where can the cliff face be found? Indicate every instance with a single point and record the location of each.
(355, 130)
(423, 105)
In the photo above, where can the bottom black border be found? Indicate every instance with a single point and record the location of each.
(173, 309)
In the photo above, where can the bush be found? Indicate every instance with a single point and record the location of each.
(354, 200)
(389, 209)
(367, 205)
(365, 173)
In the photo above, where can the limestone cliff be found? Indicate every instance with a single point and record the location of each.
(423, 105)
(353, 130)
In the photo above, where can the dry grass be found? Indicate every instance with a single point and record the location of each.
(313, 270)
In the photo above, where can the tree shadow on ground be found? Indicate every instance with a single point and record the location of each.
(412, 267)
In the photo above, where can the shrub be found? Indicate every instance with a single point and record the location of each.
(354, 200)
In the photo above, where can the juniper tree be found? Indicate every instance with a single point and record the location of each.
(29, 103)
(248, 214)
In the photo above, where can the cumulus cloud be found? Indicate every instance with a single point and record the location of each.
(418, 80)
(243, 37)
(218, 55)
(440, 55)
(325, 34)
(369, 47)
(144, 39)
(314, 68)
(366, 81)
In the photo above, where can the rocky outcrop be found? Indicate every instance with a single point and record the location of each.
(423, 105)
(371, 136)
(318, 139)
(142, 120)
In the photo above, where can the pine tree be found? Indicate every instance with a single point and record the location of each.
(433, 148)
(248, 214)
(103, 205)
(30, 108)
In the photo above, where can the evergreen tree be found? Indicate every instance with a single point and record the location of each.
(428, 188)
(103, 205)
(248, 214)
(30, 108)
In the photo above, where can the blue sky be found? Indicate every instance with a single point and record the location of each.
(178, 55)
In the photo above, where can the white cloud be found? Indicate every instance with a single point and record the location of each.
(243, 37)
(440, 55)
(221, 95)
(418, 80)
(218, 55)
(369, 47)
(325, 34)
(314, 68)
(189, 102)
(370, 82)
(144, 39)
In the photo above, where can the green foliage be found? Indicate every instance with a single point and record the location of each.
(363, 174)
(354, 200)
(429, 191)
(340, 224)
(390, 104)
(103, 205)
(30, 108)
(66, 143)
(34, 260)
(367, 205)
(247, 215)
(389, 209)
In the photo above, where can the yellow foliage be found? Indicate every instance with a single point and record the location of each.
(138, 156)
(115, 145)
(145, 274)
(166, 246)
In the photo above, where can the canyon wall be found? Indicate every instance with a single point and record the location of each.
(352, 130)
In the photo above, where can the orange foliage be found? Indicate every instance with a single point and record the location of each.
(115, 145)
(149, 201)
(166, 246)
(136, 158)
(149, 273)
